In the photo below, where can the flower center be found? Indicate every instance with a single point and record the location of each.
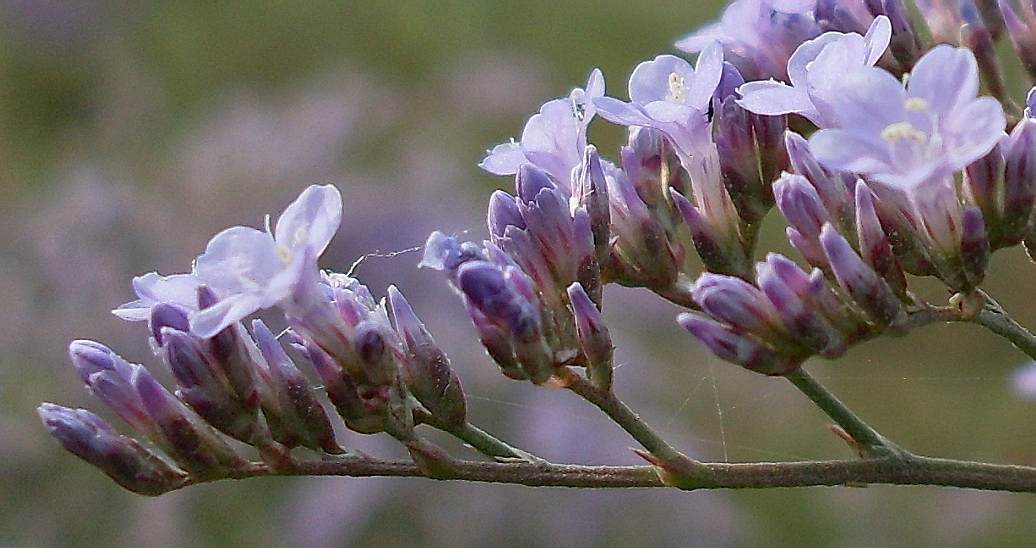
(677, 89)
(903, 131)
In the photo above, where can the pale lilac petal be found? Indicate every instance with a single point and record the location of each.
(946, 77)
(153, 289)
(877, 39)
(311, 220)
(239, 259)
(504, 159)
(773, 98)
(843, 150)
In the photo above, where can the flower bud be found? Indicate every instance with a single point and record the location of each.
(204, 387)
(425, 368)
(860, 282)
(591, 192)
(736, 347)
(87, 436)
(187, 439)
(593, 337)
(289, 404)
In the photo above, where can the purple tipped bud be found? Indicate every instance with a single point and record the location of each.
(800, 204)
(503, 212)
(835, 190)
(982, 182)
(974, 247)
(292, 409)
(860, 282)
(593, 336)
(1019, 179)
(87, 436)
(530, 181)
(750, 155)
(341, 390)
(1023, 34)
(168, 316)
(875, 248)
(426, 369)
(89, 357)
(184, 435)
(109, 379)
(738, 348)
(373, 350)
(591, 191)
(487, 289)
(793, 302)
(204, 387)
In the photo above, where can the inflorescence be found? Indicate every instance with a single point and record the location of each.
(867, 130)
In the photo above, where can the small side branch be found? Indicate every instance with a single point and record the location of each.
(869, 441)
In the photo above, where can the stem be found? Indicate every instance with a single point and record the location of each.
(479, 439)
(870, 442)
(893, 469)
(616, 410)
(994, 318)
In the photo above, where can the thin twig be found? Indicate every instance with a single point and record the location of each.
(869, 441)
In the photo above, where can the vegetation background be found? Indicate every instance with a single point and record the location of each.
(131, 131)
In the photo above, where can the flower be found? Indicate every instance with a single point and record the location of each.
(906, 136)
(554, 139)
(812, 69)
(758, 35)
(670, 96)
(252, 269)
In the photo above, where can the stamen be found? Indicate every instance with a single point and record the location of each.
(903, 130)
(677, 89)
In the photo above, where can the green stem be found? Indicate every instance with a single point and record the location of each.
(892, 470)
(870, 442)
(994, 318)
(616, 410)
(479, 439)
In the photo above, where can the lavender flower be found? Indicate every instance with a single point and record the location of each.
(554, 139)
(758, 35)
(668, 95)
(814, 67)
(905, 137)
(254, 269)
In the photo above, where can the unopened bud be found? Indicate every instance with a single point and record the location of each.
(87, 436)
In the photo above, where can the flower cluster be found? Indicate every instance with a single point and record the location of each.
(871, 137)
(233, 385)
(896, 166)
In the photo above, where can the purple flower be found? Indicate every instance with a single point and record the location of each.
(554, 139)
(905, 136)
(153, 289)
(668, 95)
(814, 67)
(758, 36)
(253, 269)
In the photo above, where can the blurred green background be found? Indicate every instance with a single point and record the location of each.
(130, 132)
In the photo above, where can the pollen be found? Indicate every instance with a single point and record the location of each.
(903, 131)
(916, 104)
(677, 89)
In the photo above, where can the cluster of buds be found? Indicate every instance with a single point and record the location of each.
(237, 389)
(534, 290)
(896, 167)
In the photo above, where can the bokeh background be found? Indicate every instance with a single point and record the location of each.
(131, 131)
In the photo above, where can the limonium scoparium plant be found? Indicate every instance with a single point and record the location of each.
(892, 147)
